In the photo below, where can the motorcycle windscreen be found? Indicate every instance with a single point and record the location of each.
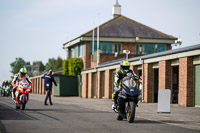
(129, 87)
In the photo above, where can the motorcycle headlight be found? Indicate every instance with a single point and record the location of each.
(25, 86)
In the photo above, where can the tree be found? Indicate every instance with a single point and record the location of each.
(17, 64)
(73, 66)
(40, 64)
(54, 64)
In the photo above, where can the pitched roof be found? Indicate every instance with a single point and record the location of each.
(123, 27)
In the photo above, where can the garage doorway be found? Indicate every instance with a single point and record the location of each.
(94, 85)
(175, 84)
(102, 84)
(156, 82)
(197, 85)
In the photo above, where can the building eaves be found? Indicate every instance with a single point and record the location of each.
(169, 52)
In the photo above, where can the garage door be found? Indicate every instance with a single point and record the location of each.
(197, 85)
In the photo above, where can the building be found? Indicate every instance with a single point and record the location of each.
(177, 70)
(118, 34)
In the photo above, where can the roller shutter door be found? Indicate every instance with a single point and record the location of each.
(197, 85)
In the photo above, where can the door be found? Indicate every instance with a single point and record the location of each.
(197, 85)
(155, 94)
(175, 84)
(94, 85)
(102, 84)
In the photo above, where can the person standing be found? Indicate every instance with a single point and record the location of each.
(48, 79)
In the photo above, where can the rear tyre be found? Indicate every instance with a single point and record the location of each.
(119, 117)
(131, 112)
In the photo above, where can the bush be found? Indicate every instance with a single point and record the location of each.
(73, 66)
(65, 67)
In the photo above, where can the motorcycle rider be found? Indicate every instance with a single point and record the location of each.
(22, 74)
(3, 86)
(123, 72)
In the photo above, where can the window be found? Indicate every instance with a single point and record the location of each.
(106, 47)
(150, 48)
(82, 50)
(72, 53)
(118, 48)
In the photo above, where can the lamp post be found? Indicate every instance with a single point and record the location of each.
(127, 52)
(142, 62)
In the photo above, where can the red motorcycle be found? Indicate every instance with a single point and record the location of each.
(22, 94)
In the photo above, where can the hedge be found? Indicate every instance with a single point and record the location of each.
(73, 66)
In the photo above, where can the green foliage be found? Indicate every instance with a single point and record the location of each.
(17, 64)
(75, 66)
(65, 67)
(54, 64)
(40, 64)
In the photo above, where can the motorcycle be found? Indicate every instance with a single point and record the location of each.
(22, 94)
(6, 91)
(127, 99)
(1, 90)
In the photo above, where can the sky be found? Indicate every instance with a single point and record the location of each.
(36, 30)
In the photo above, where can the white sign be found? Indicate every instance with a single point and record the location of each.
(164, 100)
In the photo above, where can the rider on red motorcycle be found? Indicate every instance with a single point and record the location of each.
(19, 77)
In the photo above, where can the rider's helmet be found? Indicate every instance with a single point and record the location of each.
(23, 72)
(124, 66)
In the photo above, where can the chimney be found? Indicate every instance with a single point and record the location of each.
(116, 9)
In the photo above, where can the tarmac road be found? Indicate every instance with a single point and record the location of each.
(77, 115)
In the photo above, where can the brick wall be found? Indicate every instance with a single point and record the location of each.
(165, 75)
(84, 85)
(186, 81)
(129, 46)
(148, 83)
(169, 47)
(87, 57)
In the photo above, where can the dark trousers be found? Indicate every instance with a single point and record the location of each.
(48, 96)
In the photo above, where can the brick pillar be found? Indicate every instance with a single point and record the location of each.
(84, 85)
(37, 86)
(43, 90)
(169, 47)
(117, 69)
(39, 83)
(186, 82)
(90, 89)
(32, 86)
(148, 83)
(87, 57)
(134, 68)
(108, 84)
(165, 75)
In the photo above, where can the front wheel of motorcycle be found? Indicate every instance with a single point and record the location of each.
(131, 112)
(23, 106)
(17, 106)
(119, 117)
